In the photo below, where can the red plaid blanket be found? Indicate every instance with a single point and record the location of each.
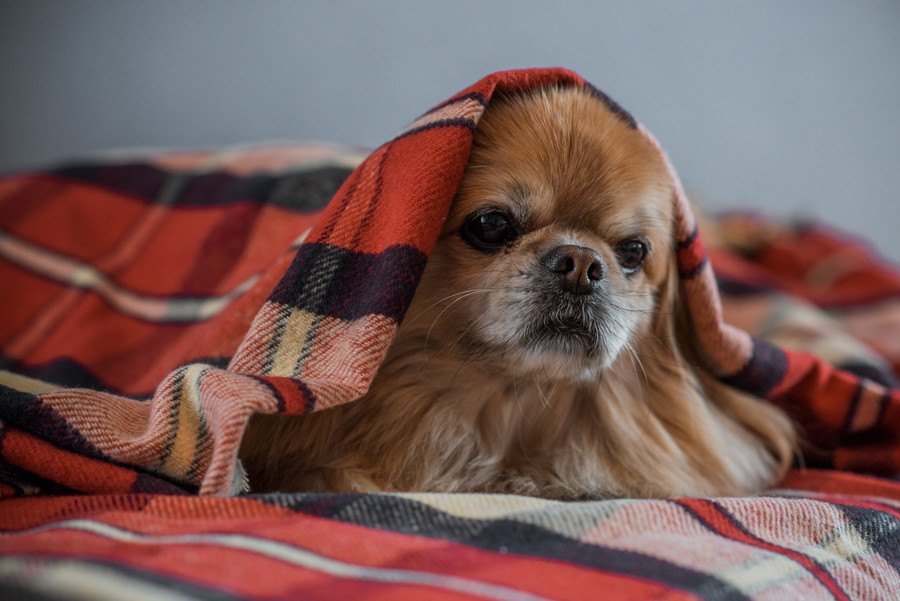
(151, 305)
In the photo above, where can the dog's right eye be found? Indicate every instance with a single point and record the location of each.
(489, 231)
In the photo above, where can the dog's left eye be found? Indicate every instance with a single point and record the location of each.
(489, 231)
(631, 255)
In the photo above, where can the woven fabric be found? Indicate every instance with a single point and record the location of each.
(157, 303)
(824, 545)
(152, 303)
(220, 285)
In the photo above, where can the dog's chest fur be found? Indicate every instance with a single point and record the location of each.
(480, 431)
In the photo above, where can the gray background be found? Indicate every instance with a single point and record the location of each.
(788, 107)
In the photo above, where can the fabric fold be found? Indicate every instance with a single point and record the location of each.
(259, 281)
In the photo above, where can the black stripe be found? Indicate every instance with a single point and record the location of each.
(879, 529)
(134, 179)
(869, 371)
(17, 590)
(613, 106)
(177, 389)
(157, 485)
(882, 407)
(455, 122)
(683, 244)
(308, 395)
(26, 412)
(396, 514)
(202, 449)
(693, 271)
(302, 190)
(382, 283)
(764, 370)
(742, 288)
(851, 410)
(278, 330)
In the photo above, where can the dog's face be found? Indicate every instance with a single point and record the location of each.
(555, 266)
(559, 241)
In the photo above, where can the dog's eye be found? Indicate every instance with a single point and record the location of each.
(489, 231)
(631, 255)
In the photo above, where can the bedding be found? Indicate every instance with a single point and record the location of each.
(151, 303)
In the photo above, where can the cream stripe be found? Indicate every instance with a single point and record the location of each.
(843, 547)
(294, 337)
(184, 446)
(84, 581)
(81, 275)
(281, 157)
(298, 557)
(467, 108)
(26, 384)
(483, 506)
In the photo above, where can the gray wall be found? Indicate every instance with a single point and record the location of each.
(790, 107)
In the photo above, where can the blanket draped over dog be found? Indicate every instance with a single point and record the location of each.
(150, 304)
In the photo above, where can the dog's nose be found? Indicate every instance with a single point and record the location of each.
(580, 269)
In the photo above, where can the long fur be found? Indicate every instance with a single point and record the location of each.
(476, 396)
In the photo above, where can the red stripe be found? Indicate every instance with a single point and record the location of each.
(691, 257)
(722, 523)
(69, 224)
(108, 347)
(841, 483)
(877, 455)
(511, 81)
(239, 239)
(394, 219)
(250, 573)
(73, 471)
(861, 276)
(33, 293)
(816, 394)
(234, 242)
(293, 399)
(26, 513)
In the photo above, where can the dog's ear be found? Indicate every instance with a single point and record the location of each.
(743, 418)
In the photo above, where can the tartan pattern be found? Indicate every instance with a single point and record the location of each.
(823, 545)
(338, 302)
(217, 284)
(221, 284)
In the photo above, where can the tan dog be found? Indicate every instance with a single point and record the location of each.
(546, 351)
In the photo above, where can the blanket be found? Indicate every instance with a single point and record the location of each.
(152, 303)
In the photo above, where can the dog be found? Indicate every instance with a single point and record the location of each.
(547, 351)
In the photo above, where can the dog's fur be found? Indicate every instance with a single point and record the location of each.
(501, 381)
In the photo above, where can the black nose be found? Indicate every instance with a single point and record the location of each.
(580, 269)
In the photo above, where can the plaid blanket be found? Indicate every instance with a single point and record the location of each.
(152, 303)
